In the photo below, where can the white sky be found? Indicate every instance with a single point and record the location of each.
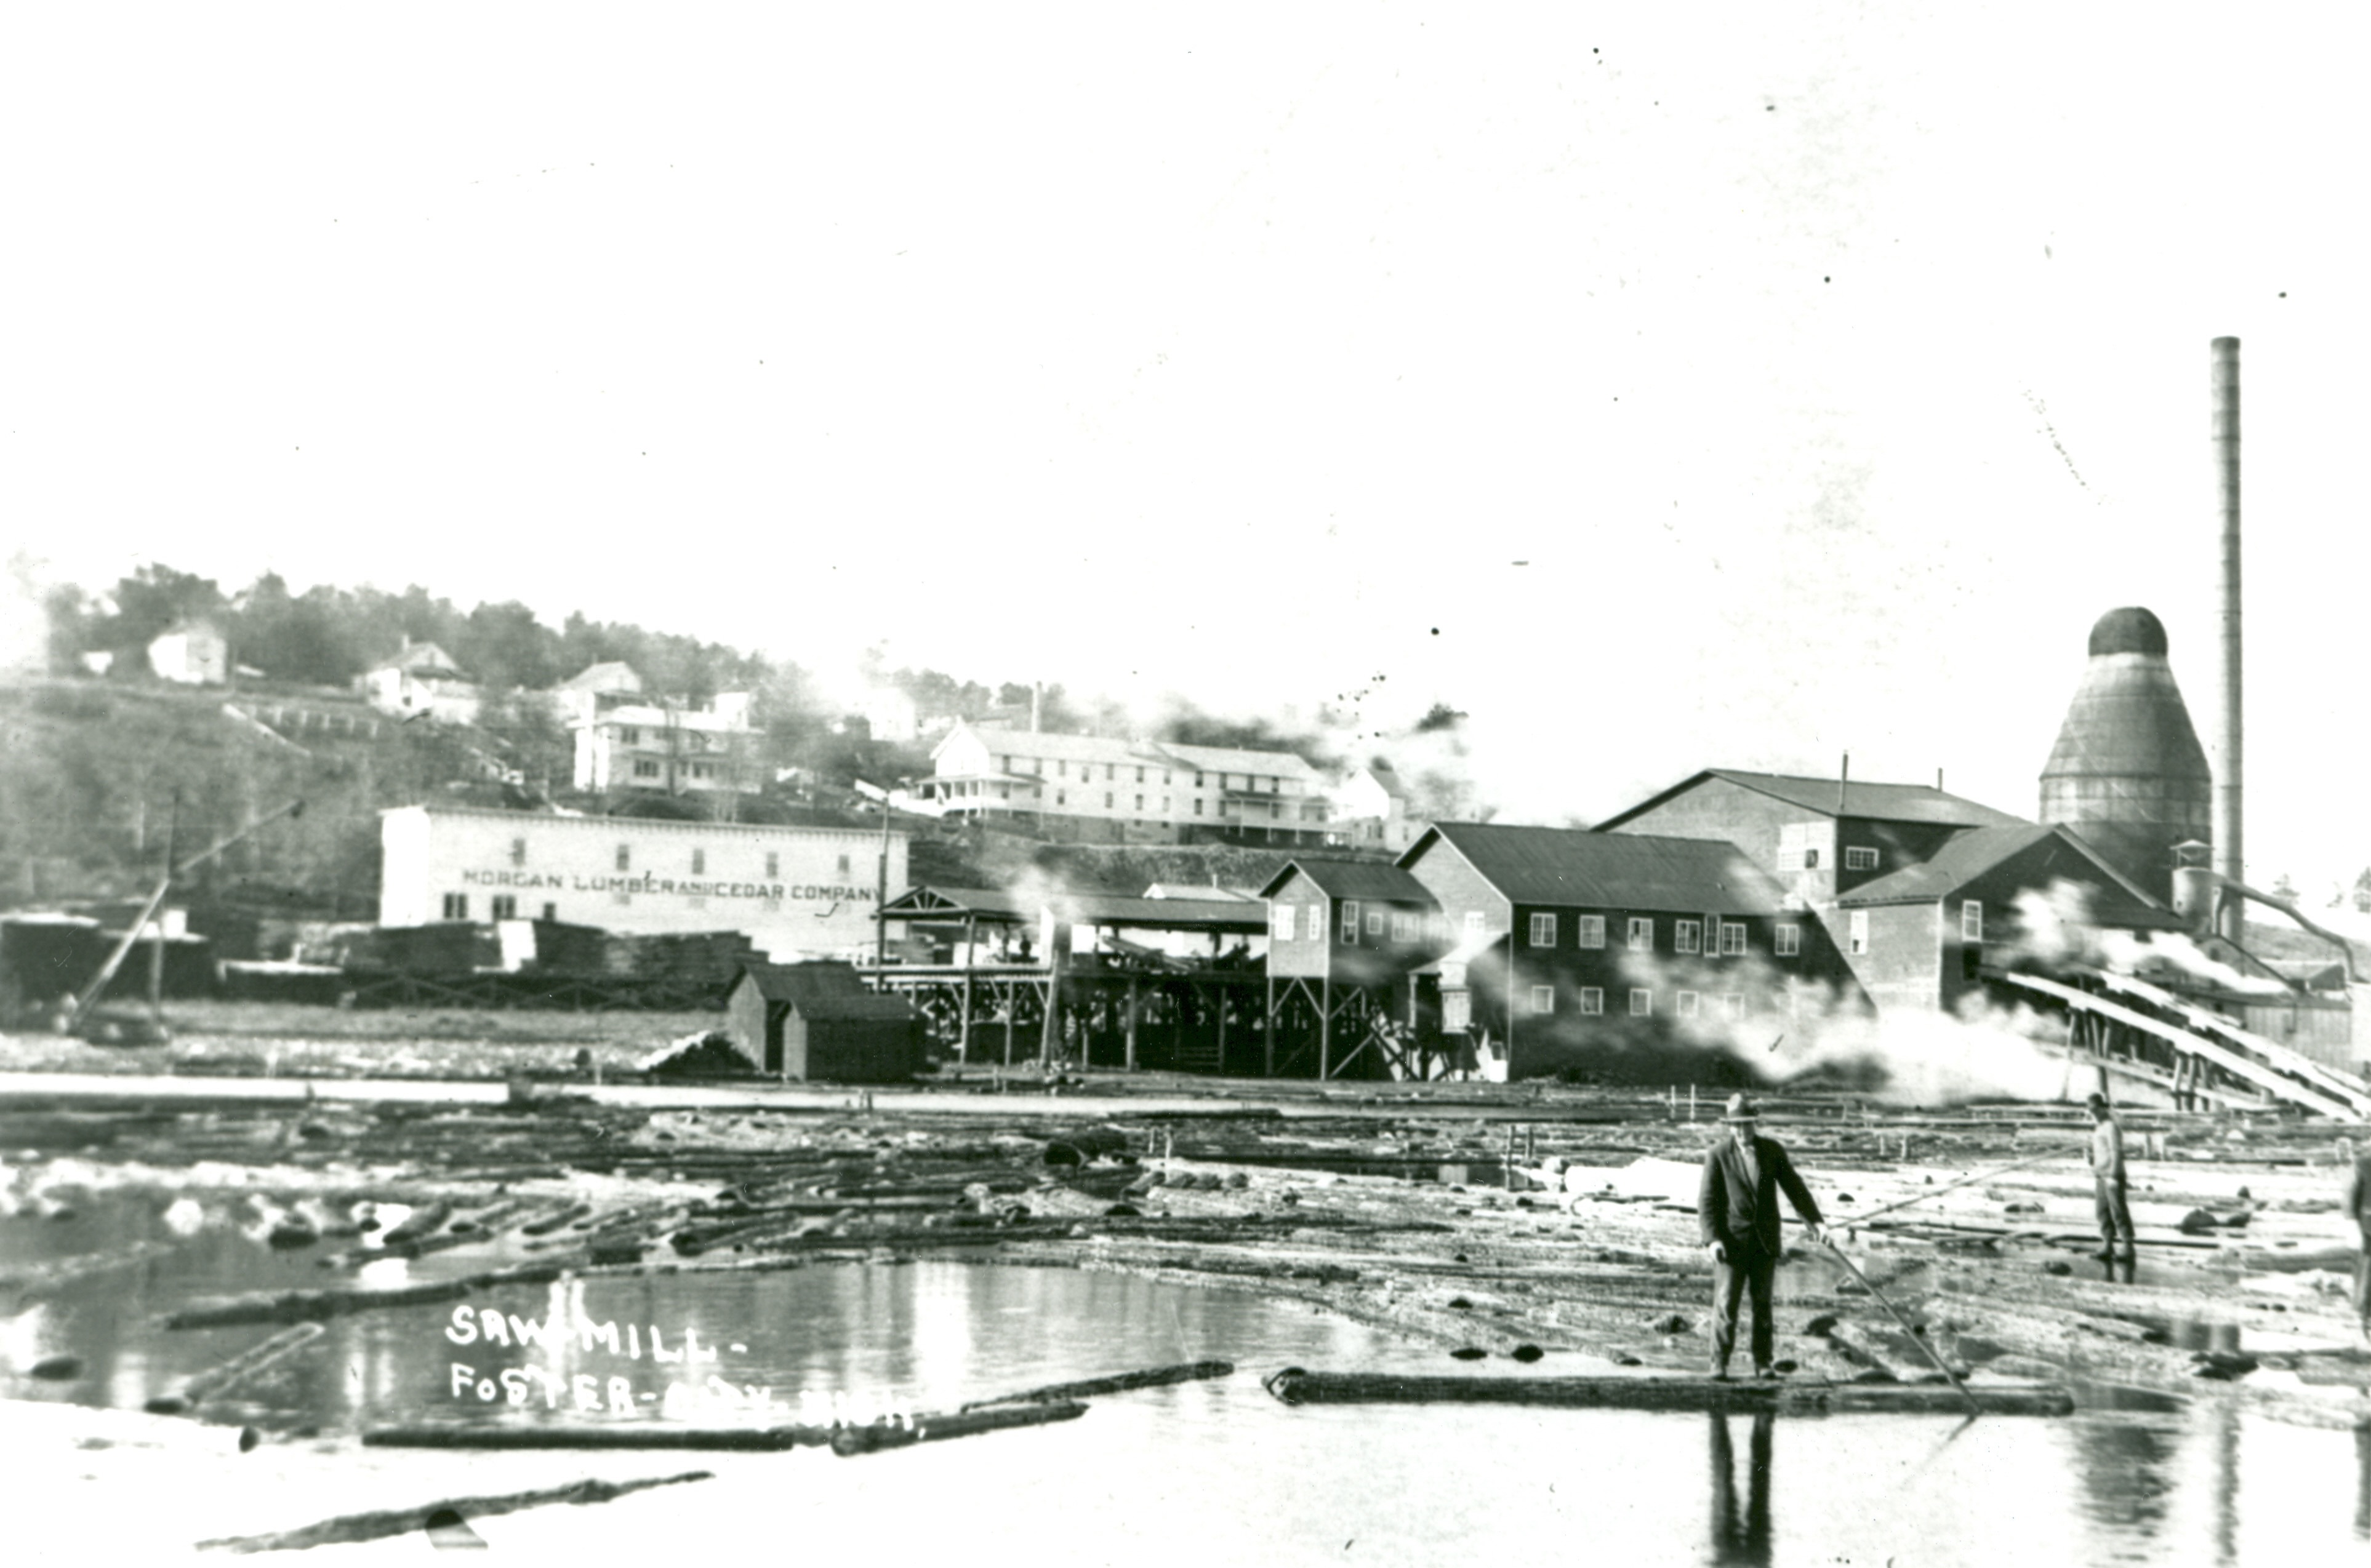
(1244, 354)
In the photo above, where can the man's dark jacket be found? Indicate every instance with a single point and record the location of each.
(1743, 1214)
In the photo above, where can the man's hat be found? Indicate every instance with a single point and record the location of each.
(1739, 1109)
(2097, 1102)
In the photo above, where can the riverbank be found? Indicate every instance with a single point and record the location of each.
(1489, 1223)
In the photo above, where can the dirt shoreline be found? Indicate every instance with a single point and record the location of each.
(1482, 1221)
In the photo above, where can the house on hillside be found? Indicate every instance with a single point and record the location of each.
(1370, 810)
(627, 740)
(1094, 789)
(191, 652)
(422, 681)
(576, 700)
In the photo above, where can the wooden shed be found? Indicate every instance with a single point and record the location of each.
(816, 1022)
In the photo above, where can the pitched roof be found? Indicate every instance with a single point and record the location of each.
(1354, 879)
(1133, 753)
(1587, 869)
(1387, 778)
(1980, 850)
(825, 989)
(1957, 863)
(420, 659)
(1830, 797)
(613, 676)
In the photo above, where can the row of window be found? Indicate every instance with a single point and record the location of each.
(646, 768)
(501, 906)
(687, 740)
(1254, 784)
(1728, 939)
(1691, 1004)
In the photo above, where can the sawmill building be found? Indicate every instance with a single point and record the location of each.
(794, 891)
(1563, 945)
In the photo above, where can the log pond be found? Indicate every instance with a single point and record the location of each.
(1205, 1470)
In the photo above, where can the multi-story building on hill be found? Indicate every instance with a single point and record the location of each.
(628, 739)
(1126, 790)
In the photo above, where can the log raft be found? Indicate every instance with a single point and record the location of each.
(1789, 1397)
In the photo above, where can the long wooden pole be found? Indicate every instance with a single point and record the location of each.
(1932, 1353)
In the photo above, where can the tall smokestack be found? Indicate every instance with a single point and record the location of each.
(2229, 851)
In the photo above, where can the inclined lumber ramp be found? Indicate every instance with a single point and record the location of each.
(2279, 1072)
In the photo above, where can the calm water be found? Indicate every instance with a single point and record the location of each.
(1206, 1472)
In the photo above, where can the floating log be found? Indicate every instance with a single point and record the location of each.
(246, 1365)
(403, 1521)
(419, 1225)
(623, 1434)
(1153, 1377)
(1295, 1385)
(1889, 1350)
(565, 1215)
(872, 1438)
(1085, 1143)
(311, 1306)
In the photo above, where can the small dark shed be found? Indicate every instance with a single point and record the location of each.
(816, 1021)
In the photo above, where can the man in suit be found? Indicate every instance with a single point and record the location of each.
(1736, 1214)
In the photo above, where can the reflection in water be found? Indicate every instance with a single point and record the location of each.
(1746, 1540)
(2226, 1481)
(2126, 1469)
(2363, 1483)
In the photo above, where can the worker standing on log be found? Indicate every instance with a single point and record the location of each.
(2358, 1207)
(2118, 1247)
(1737, 1213)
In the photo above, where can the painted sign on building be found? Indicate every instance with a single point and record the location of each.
(797, 892)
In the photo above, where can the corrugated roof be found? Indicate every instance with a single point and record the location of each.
(825, 989)
(1584, 869)
(1354, 879)
(1878, 803)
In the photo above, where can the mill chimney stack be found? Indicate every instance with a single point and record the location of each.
(2230, 857)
